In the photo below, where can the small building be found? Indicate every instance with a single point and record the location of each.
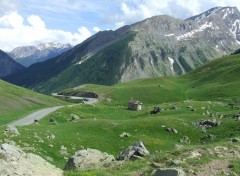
(134, 105)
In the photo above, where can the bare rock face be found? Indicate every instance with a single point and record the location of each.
(169, 172)
(135, 151)
(14, 161)
(88, 159)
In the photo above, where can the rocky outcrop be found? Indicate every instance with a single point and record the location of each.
(135, 151)
(88, 159)
(14, 161)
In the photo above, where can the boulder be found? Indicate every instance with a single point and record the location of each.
(14, 161)
(137, 149)
(88, 159)
(169, 172)
(208, 123)
(12, 130)
(74, 117)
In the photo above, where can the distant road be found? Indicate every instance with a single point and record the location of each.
(29, 119)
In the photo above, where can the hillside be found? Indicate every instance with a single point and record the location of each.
(219, 78)
(8, 66)
(210, 92)
(158, 46)
(16, 102)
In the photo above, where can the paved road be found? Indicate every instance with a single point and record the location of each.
(29, 119)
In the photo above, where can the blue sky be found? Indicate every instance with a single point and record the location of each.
(29, 22)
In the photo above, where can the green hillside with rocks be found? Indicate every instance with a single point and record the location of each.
(197, 128)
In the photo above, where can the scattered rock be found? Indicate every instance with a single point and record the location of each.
(12, 130)
(172, 130)
(16, 162)
(175, 162)
(175, 107)
(63, 150)
(137, 149)
(74, 117)
(50, 145)
(205, 124)
(124, 134)
(50, 136)
(185, 139)
(53, 121)
(88, 159)
(195, 154)
(155, 110)
(169, 172)
(236, 140)
(208, 138)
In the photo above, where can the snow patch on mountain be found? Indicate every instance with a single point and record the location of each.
(193, 32)
(169, 35)
(235, 28)
(171, 62)
(43, 46)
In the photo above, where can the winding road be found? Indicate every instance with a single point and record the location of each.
(29, 119)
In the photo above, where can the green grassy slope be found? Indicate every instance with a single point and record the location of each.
(16, 102)
(218, 79)
(208, 90)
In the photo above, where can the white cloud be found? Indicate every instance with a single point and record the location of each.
(14, 32)
(96, 29)
(8, 5)
(36, 21)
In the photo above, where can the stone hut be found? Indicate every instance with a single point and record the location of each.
(134, 105)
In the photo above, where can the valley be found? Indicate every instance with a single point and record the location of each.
(153, 95)
(185, 102)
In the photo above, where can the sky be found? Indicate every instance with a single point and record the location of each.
(30, 22)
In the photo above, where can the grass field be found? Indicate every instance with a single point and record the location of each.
(15, 102)
(211, 89)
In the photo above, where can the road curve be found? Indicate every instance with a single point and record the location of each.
(29, 119)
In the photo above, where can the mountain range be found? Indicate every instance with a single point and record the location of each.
(7, 65)
(28, 55)
(158, 46)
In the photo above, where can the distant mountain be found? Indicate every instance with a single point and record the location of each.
(161, 45)
(8, 66)
(28, 55)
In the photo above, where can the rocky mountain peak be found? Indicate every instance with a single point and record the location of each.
(28, 55)
(43, 46)
(212, 11)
